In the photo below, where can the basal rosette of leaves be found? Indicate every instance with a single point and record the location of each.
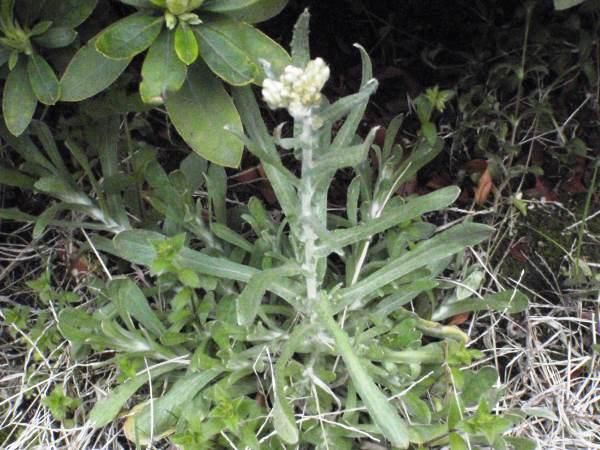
(315, 330)
(190, 48)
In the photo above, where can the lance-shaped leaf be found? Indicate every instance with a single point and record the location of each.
(412, 209)
(200, 111)
(129, 36)
(132, 303)
(257, 130)
(18, 100)
(249, 11)
(345, 105)
(300, 42)
(226, 234)
(162, 71)
(248, 302)
(344, 157)
(108, 408)
(152, 421)
(89, 73)
(510, 301)
(440, 246)
(43, 80)
(283, 414)
(381, 411)
(135, 246)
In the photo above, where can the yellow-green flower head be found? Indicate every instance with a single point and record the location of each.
(298, 90)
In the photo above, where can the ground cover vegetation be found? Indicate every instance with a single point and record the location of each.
(220, 237)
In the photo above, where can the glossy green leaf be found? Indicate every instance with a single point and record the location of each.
(18, 100)
(186, 45)
(43, 80)
(108, 408)
(200, 111)
(511, 301)
(129, 36)
(56, 37)
(162, 71)
(249, 11)
(68, 13)
(89, 73)
(255, 44)
(224, 56)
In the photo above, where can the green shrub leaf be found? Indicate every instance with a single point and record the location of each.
(186, 45)
(56, 37)
(200, 111)
(18, 100)
(43, 80)
(224, 57)
(249, 11)
(89, 73)
(255, 44)
(162, 71)
(68, 13)
(129, 36)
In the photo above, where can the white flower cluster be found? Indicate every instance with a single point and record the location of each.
(298, 90)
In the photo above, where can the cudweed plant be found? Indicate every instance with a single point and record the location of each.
(316, 331)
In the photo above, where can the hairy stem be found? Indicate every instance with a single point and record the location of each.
(308, 216)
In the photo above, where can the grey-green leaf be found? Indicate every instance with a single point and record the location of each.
(440, 246)
(511, 301)
(18, 100)
(381, 411)
(248, 302)
(165, 410)
(393, 216)
(106, 409)
(130, 300)
(200, 111)
(43, 80)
